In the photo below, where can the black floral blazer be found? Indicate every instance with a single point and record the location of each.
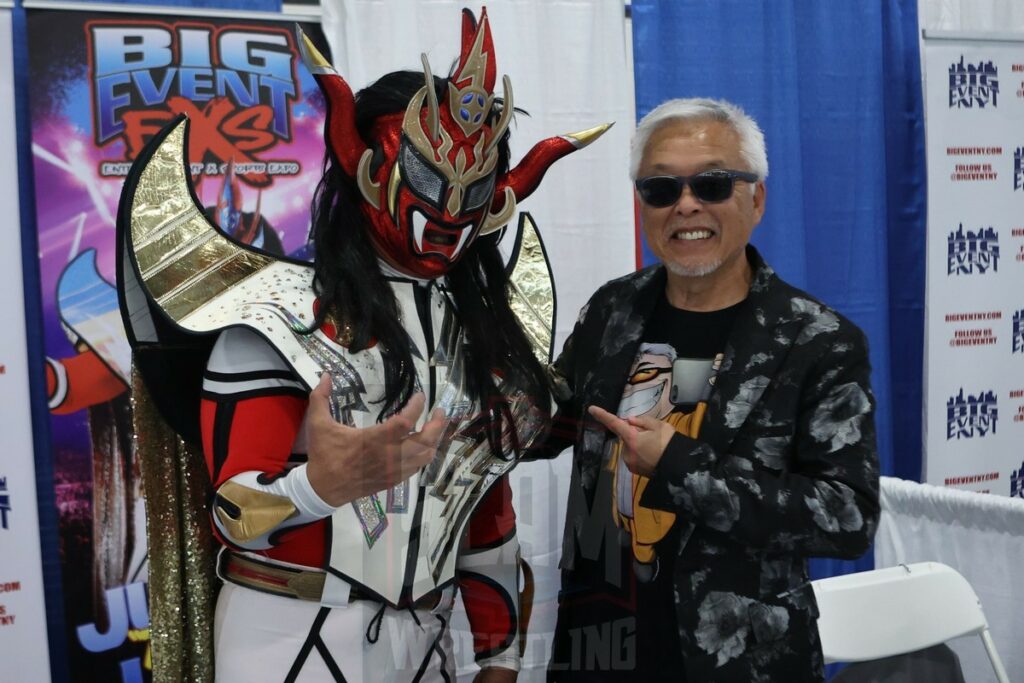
(785, 468)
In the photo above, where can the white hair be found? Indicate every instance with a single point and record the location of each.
(751, 138)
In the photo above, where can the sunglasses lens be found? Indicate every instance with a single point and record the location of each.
(660, 191)
(712, 187)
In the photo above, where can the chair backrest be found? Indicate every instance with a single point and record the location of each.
(891, 611)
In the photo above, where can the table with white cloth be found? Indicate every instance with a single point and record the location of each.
(979, 535)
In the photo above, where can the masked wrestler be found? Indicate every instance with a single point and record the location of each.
(346, 528)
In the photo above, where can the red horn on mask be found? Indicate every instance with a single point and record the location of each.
(340, 128)
(521, 181)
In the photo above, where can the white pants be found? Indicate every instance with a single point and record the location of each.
(261, 637)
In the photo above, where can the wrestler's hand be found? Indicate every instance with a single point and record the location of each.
(346, 463)
(496, 674)
(643, 439)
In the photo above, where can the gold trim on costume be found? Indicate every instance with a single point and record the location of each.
(259, 512)
(291, 582)
(473, 76)
(183, 260)
(532, 293)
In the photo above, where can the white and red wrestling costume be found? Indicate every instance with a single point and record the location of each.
(362, 591)
(253, 413)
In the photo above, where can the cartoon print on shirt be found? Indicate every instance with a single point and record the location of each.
(647, 393)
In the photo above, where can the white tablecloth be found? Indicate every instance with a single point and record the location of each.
(979, 535)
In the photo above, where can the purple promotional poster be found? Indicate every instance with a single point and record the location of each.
(102, 85)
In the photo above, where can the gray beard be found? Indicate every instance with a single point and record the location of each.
(693, 271)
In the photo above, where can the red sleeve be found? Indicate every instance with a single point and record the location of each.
(251, 434)
(494, 519)
(489, 586)
(256, 434)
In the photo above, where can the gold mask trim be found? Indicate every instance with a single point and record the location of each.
(507, 108)
(393, 183)
(474, 69)
(433, 111)
(496, 221)
(458, 176)
(369, 189)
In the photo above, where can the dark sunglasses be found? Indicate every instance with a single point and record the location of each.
(712, 186)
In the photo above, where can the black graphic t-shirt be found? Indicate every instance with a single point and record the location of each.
(621, 617)
(690, 335)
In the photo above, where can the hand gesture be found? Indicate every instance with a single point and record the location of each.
(346, 463)
(643, 439)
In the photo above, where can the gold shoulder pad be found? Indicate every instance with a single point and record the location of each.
(531, 289)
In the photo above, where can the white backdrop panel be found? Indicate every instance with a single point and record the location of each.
(23, 649)
(974, 372)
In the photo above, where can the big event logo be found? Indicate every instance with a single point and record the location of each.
(236, 83)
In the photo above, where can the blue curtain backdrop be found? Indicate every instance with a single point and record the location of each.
(837, 89)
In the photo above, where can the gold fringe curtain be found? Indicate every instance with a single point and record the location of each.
(182, 583)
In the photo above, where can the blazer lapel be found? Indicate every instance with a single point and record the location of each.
(618, 328)
(759, 343)
(620, 321)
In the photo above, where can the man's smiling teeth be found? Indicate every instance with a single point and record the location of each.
(691, 235)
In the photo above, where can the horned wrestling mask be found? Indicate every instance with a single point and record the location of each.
(428, 177)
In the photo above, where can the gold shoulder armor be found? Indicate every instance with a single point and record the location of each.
(531, 289)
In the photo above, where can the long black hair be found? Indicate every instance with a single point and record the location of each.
(352, 288)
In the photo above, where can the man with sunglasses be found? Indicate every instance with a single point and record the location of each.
(688, 533)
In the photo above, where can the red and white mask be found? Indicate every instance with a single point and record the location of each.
(428, 176)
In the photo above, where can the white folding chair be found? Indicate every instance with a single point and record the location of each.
(892, 611)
